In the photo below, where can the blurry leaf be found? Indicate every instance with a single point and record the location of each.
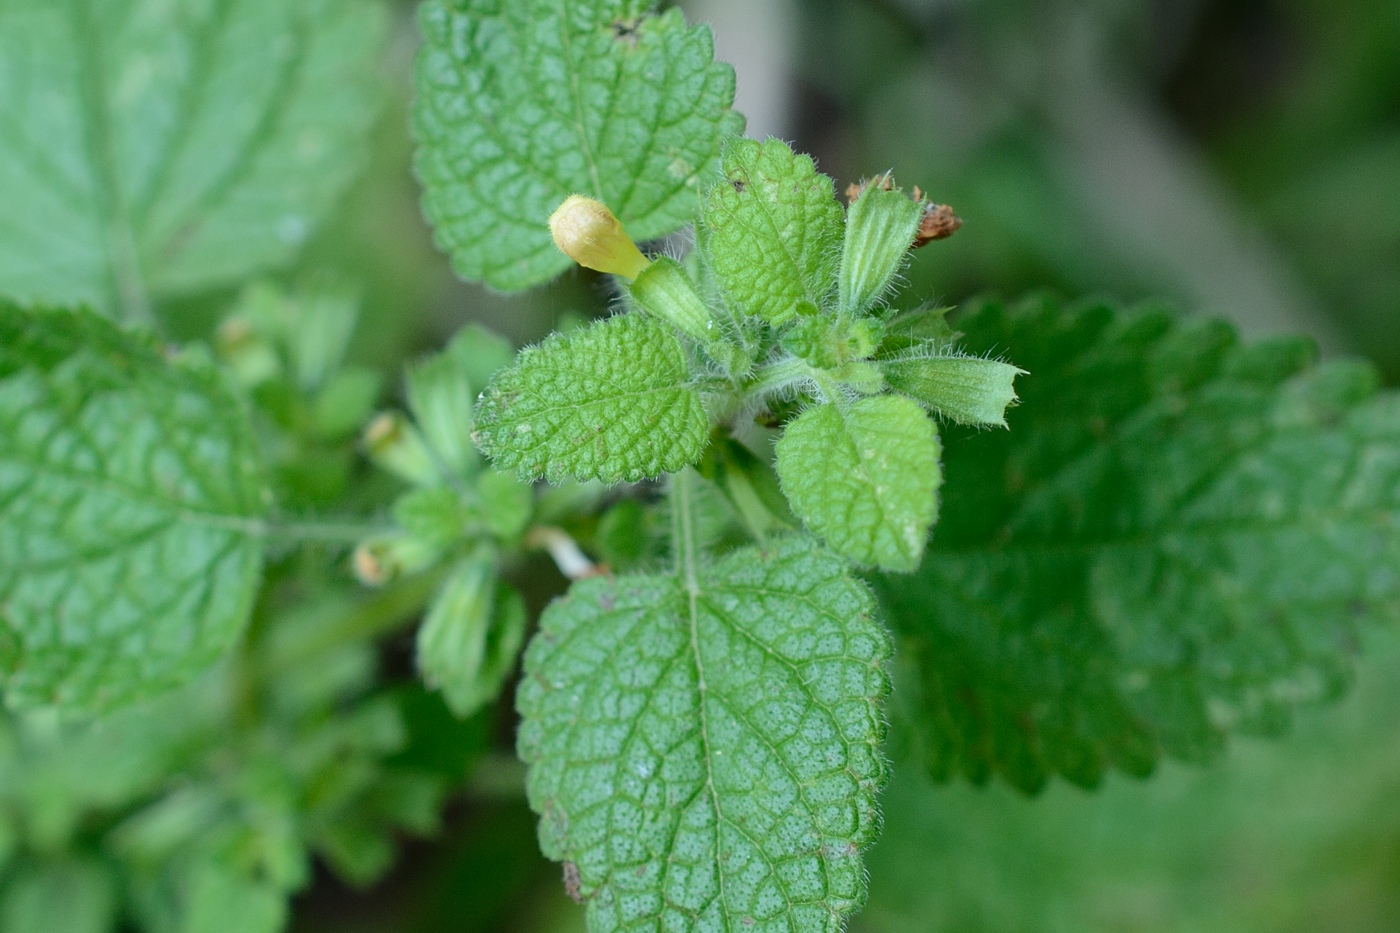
(1179, 536)
(219, 899)
(435, 515)
(1225, 848)
(526, 102)
(865, 477)
(506, 505)
(611, 402)
(130, 513)
(72, 897)
(773, 229)
(626, 534)
(481, 352)
(750, 485)
(706, 757)
(439, 742)
(154, 148)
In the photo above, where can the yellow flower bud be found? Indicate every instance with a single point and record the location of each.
(591, 236)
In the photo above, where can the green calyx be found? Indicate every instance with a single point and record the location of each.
(964, 389)
(880, 229)
(665, 291)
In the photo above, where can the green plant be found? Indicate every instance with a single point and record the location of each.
(1173, 536)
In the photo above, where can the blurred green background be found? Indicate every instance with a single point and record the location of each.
(1241, 158)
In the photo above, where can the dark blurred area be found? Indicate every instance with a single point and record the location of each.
(1239, 157)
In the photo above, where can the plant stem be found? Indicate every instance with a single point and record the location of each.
(683, 543)
(766, 381)
(563, 549)
(331, 530)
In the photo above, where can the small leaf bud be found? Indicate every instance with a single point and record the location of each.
(589, 234)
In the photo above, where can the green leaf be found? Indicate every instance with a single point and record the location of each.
(773, 227)
(707, 758)
(523, 103)
(965, 389)
(148, 149)
(1180, 536)
(865, 477)
(130, 507)
(611, 402)
(216, 894)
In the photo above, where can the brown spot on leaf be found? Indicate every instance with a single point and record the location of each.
(627, 30)
(573, 883)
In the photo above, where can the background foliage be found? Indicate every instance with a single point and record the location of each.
(1271, 131)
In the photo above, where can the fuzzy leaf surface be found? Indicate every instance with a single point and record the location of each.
(611, 402)
(865, 477)
(708, 759)
(774, 229)
(130, 497)
(1180, 536)
(522, 103)
(150, 148)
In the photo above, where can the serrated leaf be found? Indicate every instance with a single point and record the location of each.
(773, 229)
(611, 402)
(523, 103)
(707, 760)
(1179, 536)
(130, 506)
(152, 148)
(865, 477)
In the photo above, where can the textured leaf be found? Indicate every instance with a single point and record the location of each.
(1178, 536)
(611, 402)
(130, 502)
(865, 477)
(708, 761)
(157, 147)
(774, 229)
(522, 103)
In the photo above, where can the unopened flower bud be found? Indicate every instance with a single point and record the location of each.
(397, 446)
(589, 234)
(379, 560)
